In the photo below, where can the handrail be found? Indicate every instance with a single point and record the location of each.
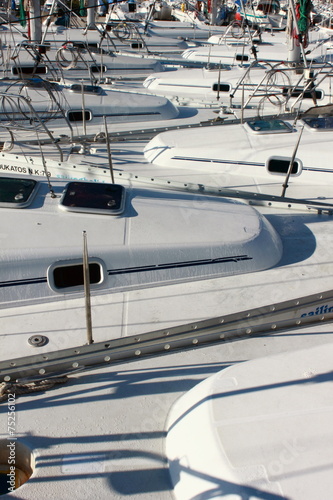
(133, 32)
(104, 33)
(287, 90)
(241, 80)
(77, 50)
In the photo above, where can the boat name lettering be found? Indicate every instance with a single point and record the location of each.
(13, 168)
(22, 170)
(35, 171)
(319, 310)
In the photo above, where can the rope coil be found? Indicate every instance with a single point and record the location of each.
(28, 387)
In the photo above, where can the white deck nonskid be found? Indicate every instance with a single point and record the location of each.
(117, 442)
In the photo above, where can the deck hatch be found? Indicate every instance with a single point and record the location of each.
(17, 193)
(92, 197)
(319, 122)
(268, 126)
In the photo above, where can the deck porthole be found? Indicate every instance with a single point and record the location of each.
(278, 165)
(67, 276)
(221, 87)
(79, 115)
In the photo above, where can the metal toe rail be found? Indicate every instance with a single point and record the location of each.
(292, 314)
(146, 133)
(252, 198)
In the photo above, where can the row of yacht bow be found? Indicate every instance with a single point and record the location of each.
(166, 186)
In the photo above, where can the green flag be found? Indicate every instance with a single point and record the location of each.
(82, 11)
(23, 20)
